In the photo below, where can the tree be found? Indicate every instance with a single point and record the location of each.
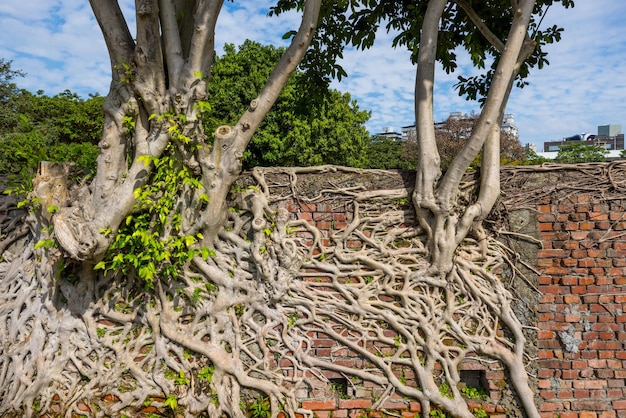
(302, 129)
(452, 135)
(580, 152)
(36, 127)
(144, 284)
(385, 153)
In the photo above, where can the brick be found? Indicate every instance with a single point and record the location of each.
(590, 384)
(551, 407)
(314, 405)
(572, 318)
(619, 404)
(587, 262)
(355, 403)
(545, 208)
(545, 335)
(589, 405)
(579, 235)
(569, 374)
(551, 253)
(545, 227)
(579, 253)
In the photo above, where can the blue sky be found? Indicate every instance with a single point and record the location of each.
(59, 45)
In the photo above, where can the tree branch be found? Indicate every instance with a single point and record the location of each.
(202, 45)
(480, 25)
(118, 39)
(171, 40)
(504, 74)
(428, 169)
(223, 164)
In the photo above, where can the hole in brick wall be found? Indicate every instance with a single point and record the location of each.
(475, 379)
(339, 387)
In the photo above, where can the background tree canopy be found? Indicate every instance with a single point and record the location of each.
(580, 152)
(36, 127)
(305, 126)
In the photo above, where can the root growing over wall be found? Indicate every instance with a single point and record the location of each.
(234, 330)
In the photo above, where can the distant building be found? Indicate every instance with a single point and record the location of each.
(609, 137)
(609, 130)
(389, 132)
(508, 125)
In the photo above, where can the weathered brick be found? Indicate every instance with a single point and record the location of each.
(317, 405)
(551, 407)
(355, 403)
(619, 404)
(589, 405)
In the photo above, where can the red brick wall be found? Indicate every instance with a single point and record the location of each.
(321, 398)
(582, 314)
(581, 366)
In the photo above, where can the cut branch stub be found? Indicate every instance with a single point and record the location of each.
(74, 233)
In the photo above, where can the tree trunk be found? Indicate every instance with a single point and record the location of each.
(436, 197)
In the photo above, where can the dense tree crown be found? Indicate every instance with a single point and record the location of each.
(580, 152)
(37, 127)
(305, 127)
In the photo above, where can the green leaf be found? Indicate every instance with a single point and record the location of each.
(171, 401)
(100, 266)
(289, 34)
(145, 159)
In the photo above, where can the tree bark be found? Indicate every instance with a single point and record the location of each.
(156, 86)
(435, 198)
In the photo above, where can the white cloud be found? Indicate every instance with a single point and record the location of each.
(59, 45)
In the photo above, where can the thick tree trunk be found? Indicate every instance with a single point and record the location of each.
(151, 104)
(435, 197)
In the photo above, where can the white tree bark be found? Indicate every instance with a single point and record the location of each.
(153, 77)
(435, 198)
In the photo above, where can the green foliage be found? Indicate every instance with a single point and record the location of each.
(580, 152)
(206, 373)
(385, 153)
(532, 158)
(36, 127)
(444, 390)
(474, 392)
(437, 413)
(149, 243)
(260, 409)
(340, 389)
(480, 413)
(181, 380)
(7, 75)
(171, 401)
(355, 22)
(305, 126)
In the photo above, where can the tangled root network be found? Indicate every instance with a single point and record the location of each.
(236, 329)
